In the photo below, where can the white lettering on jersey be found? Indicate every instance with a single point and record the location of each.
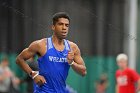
(122, 80)
(57, 59)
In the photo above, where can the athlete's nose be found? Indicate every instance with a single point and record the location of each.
(64, 27)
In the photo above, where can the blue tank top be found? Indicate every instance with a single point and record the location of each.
(54, 67)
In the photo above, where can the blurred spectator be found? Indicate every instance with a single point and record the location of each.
(126, 78)
(34, 65)
(102, 84)
(8, 81)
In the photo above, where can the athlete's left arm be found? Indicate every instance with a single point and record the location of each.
(78, 62)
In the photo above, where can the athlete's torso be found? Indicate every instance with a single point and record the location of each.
(54, 67)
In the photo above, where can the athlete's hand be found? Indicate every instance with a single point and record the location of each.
(70, 57)
(39, 80)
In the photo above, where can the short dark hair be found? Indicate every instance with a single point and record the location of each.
(58, 15)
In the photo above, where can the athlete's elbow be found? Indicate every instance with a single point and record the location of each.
(18, 60)
(84, 72)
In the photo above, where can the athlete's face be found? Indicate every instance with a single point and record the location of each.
(122, 64)
(61, 28)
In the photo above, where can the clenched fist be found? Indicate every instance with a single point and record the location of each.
(70, 57)
(39, 80)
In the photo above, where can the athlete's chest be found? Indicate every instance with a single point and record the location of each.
(57, 56)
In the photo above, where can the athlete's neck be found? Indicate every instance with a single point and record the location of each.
(57, 40)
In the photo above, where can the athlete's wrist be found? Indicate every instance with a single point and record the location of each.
(34, 74)
(71, 63)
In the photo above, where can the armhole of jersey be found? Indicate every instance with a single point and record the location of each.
(68, 45)
(49, 43)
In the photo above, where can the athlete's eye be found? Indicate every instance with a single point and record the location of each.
(67, 25)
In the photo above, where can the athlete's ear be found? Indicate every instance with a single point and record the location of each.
(53, 27)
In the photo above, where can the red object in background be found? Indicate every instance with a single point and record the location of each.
(126, 80)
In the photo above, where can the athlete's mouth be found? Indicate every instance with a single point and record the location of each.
(64, 33)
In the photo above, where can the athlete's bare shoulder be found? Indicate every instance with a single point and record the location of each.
(41, 42)
(38, 43)
(74, 46)
(39, 46)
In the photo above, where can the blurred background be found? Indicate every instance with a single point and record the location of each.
(101, 28)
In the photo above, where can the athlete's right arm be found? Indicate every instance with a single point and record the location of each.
(25, 55)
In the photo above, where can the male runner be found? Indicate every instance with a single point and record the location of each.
(56, 55)
(126, 77)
